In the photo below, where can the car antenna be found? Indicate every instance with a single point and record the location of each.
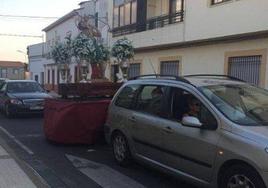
(152, 66)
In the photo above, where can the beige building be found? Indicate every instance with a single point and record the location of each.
(13, 70)
(195, 36)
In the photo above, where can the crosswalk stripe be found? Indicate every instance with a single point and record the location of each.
(103, 175)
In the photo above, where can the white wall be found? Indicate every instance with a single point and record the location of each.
(200, 60)
(166, 35)
(235, 17)
(61, 31)
(36, 60)
(203, 21)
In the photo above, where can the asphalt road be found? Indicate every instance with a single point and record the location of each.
(76, 165)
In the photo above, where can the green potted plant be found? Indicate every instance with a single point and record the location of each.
(61, 54)
(123, 51)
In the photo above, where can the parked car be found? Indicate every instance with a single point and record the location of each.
(22, 97)
(210, 130)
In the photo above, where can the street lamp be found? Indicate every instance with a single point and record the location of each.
(25, 54)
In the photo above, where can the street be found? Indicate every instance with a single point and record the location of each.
(76, 165)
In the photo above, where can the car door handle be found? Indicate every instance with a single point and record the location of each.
(132, 119)
(168, 130)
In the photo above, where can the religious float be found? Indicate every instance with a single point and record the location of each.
(78, 116)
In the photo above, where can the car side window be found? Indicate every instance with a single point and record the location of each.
(185, 104)
(126, 96)
(3, 87)
(151, 100)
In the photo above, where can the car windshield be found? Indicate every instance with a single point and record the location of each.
(242, 104)
(24, 87)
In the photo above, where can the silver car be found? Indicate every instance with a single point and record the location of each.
(210, 130)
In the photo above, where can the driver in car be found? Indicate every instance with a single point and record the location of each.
(193, 107)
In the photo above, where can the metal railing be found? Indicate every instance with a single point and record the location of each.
(150, 24)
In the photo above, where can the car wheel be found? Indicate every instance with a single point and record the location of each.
(120, 149)
(8, 113)
(241, 176)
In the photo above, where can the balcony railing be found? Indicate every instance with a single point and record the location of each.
(152, 23)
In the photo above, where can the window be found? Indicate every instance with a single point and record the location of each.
(36, 78)
(96, 19)
(152, 14)
(128, 16)
(42, 77)
(24, 87)
(134, 12)
(151, 100)
(53, 78)
(4, 73)
(126, 96)
(169, 68)
(58, 76)
(15, 71)
(48, 76)
(124, 13)
(134, 70)
(176, 6)
(246, 68)
(184, 104)
(214, 2)
(243, 104)
(157, 8)
(121, 16)
(116, 17)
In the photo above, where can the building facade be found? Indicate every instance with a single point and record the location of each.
(184, 37)
(12, 70)
(37, 62)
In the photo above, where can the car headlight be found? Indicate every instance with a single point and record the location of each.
(15, 101)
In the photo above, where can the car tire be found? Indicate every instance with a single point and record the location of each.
(241, 176)
(121, 149)
(8, 113)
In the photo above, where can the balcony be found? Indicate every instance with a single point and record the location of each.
(152, 23)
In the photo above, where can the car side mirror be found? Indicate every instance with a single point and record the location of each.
(190, 121)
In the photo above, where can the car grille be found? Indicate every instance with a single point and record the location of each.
(33, 102)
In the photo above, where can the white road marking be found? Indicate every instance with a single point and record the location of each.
(31, 135)
(103, 175)
(17, 141)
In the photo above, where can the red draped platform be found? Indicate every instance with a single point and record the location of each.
(72, 122)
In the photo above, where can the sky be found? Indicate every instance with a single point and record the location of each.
(9, 46)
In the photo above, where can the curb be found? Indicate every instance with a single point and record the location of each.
(36, 179)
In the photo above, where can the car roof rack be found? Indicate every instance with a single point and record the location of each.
(160, 76)
(214, 75)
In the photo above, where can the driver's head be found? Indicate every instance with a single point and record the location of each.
(157, 92)
(194, 104)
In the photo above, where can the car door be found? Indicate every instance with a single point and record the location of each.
(195, 147)
(122, 109)
(149, 124)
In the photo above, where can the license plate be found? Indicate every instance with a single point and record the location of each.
(36, 108)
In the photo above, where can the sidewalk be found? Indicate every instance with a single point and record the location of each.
(13, 176)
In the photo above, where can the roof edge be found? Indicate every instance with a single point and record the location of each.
(62, 19)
